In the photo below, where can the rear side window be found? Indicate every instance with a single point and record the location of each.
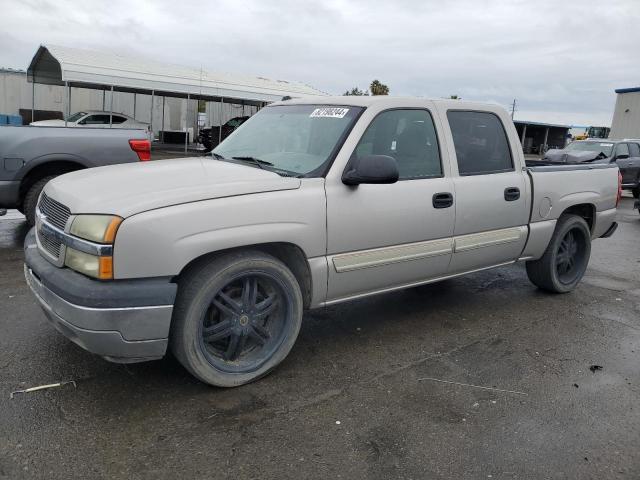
(409, 136)
(96, 120)
(118, 119)
(634, 150)
(480, 141)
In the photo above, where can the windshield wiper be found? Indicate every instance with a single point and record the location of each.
(218, 156)
(255, 161)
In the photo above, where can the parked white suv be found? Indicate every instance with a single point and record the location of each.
(95, 119)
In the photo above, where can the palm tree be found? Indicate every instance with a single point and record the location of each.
(378, 88)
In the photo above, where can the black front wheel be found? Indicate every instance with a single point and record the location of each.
(566, 258)
(236, 317)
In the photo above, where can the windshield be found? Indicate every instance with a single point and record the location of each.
(76, 116)
(604, 147)
(297, 139)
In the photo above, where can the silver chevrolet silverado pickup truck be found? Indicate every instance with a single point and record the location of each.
(309, 203)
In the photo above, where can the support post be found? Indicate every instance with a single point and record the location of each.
(186, 129)
(524, 133)
(66, 101)
(220, 120)
(134, 105)
(104, 104)
(111, 109)
(33, 101)
(544, 144)
(162, 123)
(151, 118)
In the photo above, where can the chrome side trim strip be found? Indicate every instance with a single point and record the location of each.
(472, 241)
(376, 257)
(74, 242)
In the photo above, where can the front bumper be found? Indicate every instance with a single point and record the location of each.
(123, 321)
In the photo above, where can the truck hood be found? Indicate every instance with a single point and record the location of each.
(568, 156)
(132, 188)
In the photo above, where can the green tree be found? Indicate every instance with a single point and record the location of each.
(378, 88)
(356, 91)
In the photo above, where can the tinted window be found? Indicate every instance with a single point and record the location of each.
(622, 149)
(634, 150)
(117, 119)
(481, 143)
(96, 120)
(409, 136)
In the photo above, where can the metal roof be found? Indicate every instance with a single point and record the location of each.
(628, 90)
(91, 69)
(542, 124)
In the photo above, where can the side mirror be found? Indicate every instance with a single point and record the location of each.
(371, 169)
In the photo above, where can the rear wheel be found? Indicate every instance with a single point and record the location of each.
(236, 318)
(31, 199)
(566, 258)
(635, 192)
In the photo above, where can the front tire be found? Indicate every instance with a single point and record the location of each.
(236, 318)
(566, 258)
(31, 199)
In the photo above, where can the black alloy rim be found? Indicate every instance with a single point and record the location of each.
(245, 322)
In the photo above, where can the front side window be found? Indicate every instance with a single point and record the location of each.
(480, 141)
(296, 140)
(622, 149)
(409, 136)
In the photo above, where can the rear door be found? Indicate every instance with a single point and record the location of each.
(629, 166)
(491, 191)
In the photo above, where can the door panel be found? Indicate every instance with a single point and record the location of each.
(492, 195)
(382, 236)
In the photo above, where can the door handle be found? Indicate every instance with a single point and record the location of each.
(442, 200)
(511, 194)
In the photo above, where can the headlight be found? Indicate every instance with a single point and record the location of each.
(97, 229)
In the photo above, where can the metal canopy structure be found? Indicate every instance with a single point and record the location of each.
(57, 65)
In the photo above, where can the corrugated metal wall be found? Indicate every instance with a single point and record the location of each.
(626, 117)
(16, 93)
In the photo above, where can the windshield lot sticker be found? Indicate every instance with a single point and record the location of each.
(329, 112)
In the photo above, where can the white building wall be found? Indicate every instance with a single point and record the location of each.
(626, 117)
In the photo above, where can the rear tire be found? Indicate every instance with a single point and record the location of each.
(635, 192)
(31, 199)
(236, 318)
(566, 258)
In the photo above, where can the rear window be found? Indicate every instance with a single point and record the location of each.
(481, 143)
(634, 150)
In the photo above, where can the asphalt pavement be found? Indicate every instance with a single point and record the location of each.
(477, 377)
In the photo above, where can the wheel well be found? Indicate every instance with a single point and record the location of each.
(288, 253)
(54, 167)
(584, 210)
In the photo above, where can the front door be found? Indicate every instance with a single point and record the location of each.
(492, 209)
(384, 236)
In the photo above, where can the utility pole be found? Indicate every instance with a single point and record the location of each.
(513, 108)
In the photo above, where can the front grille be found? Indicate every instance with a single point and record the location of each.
(57, 214)
(51, 245)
